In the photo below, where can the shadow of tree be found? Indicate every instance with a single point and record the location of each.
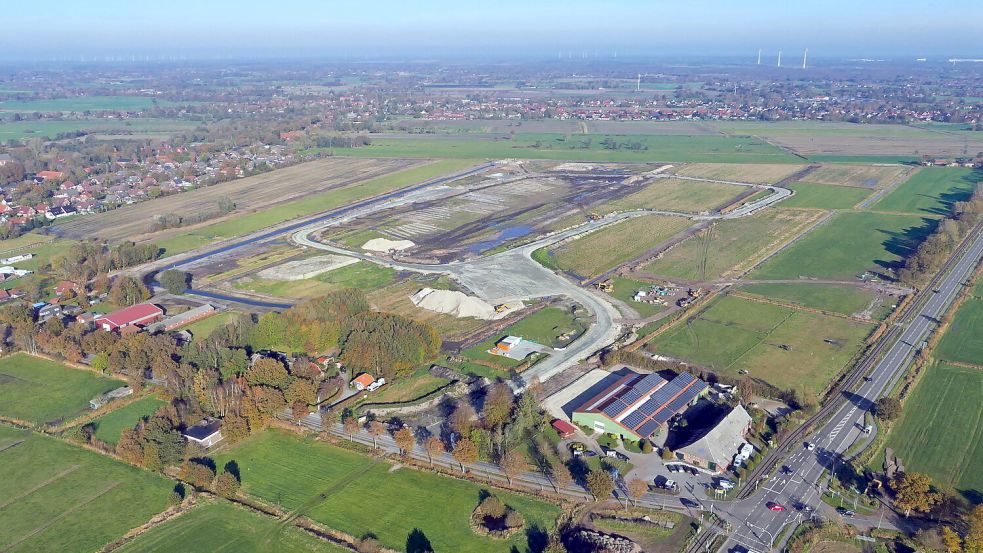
(417, 542)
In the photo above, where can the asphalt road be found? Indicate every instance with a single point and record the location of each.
(755, 526)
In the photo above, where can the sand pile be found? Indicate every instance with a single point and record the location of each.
(306, 268)
(453, 303)
(385, 245)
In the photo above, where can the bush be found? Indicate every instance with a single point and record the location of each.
(646, 446)
(513, 520)
(667, 454)
(226, 485)
(493, 507)
(198, 474)
(175, 281)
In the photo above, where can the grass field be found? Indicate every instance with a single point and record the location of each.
(676, 195)
(853, 143)
(624, 290)
(847, 245)
(731, 246)
(17, 130)
(311, 204)
(363, 275)
(544, 326)
(111, 425)
(359, 495)
(844, 299)
(701, 148)
(202, 328)
(734, 334)
(756, 173)
(318, 181)
(222, 526)
(940, 432)
(825, 196)
(931, 191)
(41, 391)
(602, 250)
(866, 176)
(85, 103)
(56, 497)
(962, 341)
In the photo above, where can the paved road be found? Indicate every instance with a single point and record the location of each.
(755, 525)
(513, 274)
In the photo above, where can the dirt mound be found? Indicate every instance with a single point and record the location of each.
(306, 268)
(453, 303)
(385, 245)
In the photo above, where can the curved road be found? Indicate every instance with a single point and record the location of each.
(513, 274)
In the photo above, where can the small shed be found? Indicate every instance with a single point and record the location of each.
(103, 399)
(564, 428)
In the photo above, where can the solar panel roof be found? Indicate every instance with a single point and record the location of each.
(648, 428)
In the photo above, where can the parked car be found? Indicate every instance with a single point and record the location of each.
(725, 484)
(810, 446)
(845, 512)
(621, 456)
(775, 506)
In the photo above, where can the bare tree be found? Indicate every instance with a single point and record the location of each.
(511, 464)
(465, 452)
(434, 446)
(376, 429)
(404, 440)
(636, 489)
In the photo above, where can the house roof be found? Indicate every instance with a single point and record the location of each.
(131, 314)
(564, 427)
(720, 443)
(365, 379)
(204, 429)
(641, 403)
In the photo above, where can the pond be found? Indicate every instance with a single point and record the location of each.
(509, 233)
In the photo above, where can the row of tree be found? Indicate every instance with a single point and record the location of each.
(929, 256)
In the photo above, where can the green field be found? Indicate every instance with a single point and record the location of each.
(730, 245)
(703, 148)
(733, 334)
(56, 497)
(222, 526)
(41, 391)
(545, 327)
(962, 342)
(676, 195)
(847, 245)
(310, 205)
(111, 425)
(940, 432)
(825, 196)
(364, 275)
(86, 103)
(931, 191)
(202, 328)
(17, 130)
(837, 298)
(602, 250)
(624, 290)
(358, 495)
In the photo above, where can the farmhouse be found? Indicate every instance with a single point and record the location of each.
(206, 433)
(715, 449)
(363, 381)
(134, 316)
(636, 405)
(103, 399)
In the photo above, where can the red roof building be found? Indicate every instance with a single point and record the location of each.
(136, 315)
(564, 428)
(48, 175)
(66, 286)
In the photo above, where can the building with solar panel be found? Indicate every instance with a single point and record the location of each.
(636, 405)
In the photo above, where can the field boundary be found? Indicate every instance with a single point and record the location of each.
(797, 307)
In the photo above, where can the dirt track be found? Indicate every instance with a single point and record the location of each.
(266, 190)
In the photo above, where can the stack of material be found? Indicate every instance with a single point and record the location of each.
(385, 245)
(453, 303)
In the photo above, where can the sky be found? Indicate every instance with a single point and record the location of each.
(404, 29)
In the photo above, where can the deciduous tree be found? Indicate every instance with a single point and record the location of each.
(465, 452)
(511, 464)
(600, 484)
(914, 492)
(636, 489)
(404, 440)
(434, 446)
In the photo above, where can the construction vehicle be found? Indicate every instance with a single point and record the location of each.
(606, 286)
(593, 216)
(501, 308)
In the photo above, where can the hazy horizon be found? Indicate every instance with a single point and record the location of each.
(506, 29)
